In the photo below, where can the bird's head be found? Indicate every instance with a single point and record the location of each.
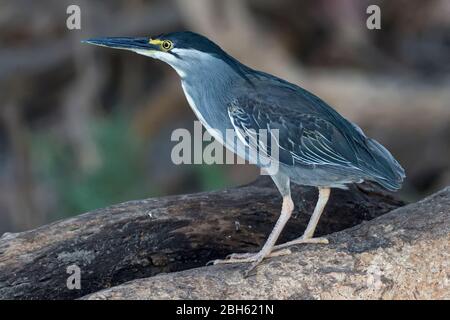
(182, 50)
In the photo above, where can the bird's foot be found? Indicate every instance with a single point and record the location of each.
(301, 240)
(254, 258)
(248, 257)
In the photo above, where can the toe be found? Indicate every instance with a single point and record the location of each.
(252, 267)
(240, 255)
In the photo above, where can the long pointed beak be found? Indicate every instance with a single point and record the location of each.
(126, 43)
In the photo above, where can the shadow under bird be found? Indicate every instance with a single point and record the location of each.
(316, 145)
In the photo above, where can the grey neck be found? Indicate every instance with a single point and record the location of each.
(207, 87)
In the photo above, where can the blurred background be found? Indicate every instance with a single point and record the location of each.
(83, 127)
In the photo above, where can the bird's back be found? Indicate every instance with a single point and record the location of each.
(311, 133)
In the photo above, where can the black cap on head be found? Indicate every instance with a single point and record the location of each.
(191, 40)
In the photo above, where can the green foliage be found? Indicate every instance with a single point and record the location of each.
(118, 177)
(212, 177)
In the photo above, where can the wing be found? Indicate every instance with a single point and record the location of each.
(302, 137)
(311, 133)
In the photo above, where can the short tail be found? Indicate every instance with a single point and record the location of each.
(385, 170)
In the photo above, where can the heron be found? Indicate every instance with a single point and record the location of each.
(316, 145)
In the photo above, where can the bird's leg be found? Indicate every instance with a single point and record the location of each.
(266, 251)
(324, 194)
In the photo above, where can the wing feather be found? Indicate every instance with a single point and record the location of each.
(303, 139)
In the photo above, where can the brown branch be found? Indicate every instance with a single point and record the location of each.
(144, 238)
(400, 255)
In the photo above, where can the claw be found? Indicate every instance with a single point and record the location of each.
(240, 255)
(253, 266)
(210, 263)
(253, 258)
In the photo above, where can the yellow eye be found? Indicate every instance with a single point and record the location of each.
(166, 45)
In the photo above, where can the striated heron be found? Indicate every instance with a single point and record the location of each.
(316, 145)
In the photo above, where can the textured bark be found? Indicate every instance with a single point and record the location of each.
(143, 238)
(401, 255)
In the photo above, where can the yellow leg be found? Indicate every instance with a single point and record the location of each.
(266, 251)
(270, 249)
(324, 195)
